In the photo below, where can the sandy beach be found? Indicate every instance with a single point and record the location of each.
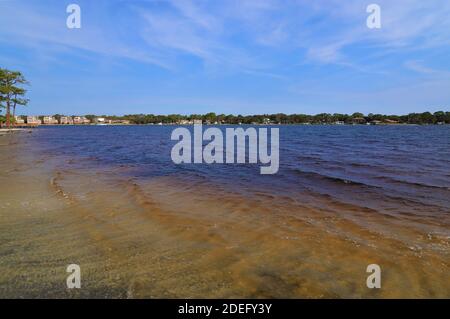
(170, 237)
(4, 131)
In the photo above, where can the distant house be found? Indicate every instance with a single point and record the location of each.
(66, 120)
(375, 122)
(19, 120)
(197, 122)
(80, 120)
(77, 120)
(100, 120)
(358, 120)
(49, 120)
(33, 120)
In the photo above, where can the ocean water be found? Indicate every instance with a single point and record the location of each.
(389, 168)
(110, 199)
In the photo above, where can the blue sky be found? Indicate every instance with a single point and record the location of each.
(229, 56)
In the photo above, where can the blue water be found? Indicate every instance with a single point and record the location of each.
(395, 169)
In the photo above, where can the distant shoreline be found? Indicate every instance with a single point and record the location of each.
(241, 124)
(24, 128)
(425, 118)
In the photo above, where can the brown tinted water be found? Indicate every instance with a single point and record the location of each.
(179, 236)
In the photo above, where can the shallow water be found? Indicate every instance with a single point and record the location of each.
(110, 199)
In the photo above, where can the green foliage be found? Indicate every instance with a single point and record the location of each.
(11, 92)
(280, 118)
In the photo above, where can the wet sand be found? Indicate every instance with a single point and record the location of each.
(182, 238)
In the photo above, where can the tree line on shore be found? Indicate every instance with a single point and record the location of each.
(425, 118)
(439, 117)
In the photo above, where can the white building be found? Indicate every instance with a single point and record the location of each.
(49, 120)
(80, 120)
(34, 120)
(66, 120)
(19, 120)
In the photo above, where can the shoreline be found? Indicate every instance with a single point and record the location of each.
(4, 131)
(256, 124)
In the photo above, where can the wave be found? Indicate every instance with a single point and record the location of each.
(384, 179)
(335, 179)
(409, 183)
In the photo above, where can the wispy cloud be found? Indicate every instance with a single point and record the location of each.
(416, 66)
(28, 26)
(229, 32)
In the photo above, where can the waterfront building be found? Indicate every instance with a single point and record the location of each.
(49, 120)
(66, 120)
(80, 120)
(19, 120)
(33, 120)
(358, 120)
